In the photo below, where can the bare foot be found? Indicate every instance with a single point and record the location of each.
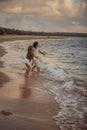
(26, 75)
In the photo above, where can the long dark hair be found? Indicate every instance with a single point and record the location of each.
(30, 53)
(35, 44)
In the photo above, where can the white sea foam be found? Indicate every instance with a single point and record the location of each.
(70, 98)
(57, 73)
(68, 95)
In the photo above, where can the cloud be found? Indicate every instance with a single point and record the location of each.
(15, 9)
(44, 15)
(77, 26)
(69, 8)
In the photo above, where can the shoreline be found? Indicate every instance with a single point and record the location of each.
(27, 37)
(3, 77)
(31, 108)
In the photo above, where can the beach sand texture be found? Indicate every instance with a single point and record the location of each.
(24, 103)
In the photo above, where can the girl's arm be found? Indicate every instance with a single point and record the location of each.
(41, 52)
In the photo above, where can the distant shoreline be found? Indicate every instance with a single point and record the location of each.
(13, 31)
(27, 37)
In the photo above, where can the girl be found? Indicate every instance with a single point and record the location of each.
(29, 59)
(36, 53)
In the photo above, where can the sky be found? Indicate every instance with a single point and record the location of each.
(44, 15)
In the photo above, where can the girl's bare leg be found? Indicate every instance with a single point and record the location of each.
(27, 70)
(33, 68)
(38, 69)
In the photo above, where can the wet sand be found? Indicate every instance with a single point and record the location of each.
(31, 105)
(3, 78)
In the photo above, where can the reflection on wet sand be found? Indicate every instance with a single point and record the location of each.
(25, 89)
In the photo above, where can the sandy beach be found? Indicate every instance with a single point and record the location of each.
(27, 37)
(22, 105)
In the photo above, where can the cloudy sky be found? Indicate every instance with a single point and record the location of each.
(44, 15)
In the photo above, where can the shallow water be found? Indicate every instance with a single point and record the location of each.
(66, 61)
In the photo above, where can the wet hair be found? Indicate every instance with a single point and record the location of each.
(30, 53)
(29, 48)
(35, 44)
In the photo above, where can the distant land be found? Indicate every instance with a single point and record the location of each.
(8, 31)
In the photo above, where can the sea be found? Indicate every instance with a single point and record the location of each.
(66, 61)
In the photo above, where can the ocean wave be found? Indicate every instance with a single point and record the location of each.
(70, 97)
